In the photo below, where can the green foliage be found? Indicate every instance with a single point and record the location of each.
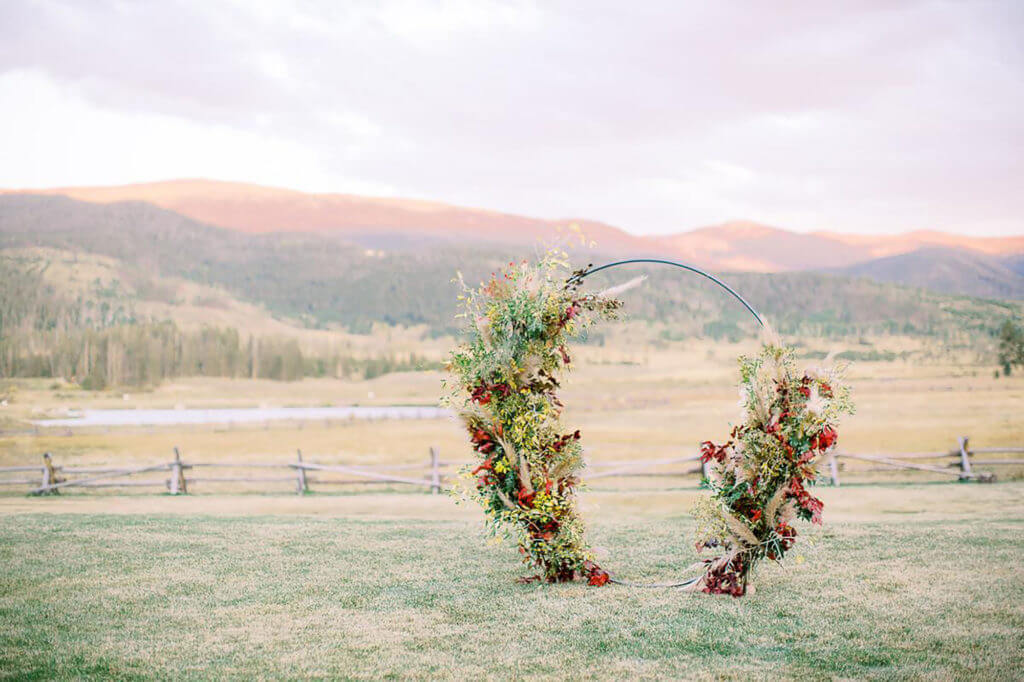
(1011, 346)
(505, 375)
(760, 476)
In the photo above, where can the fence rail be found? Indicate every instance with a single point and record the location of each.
(51, 478)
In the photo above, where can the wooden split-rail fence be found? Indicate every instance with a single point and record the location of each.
(180, 476)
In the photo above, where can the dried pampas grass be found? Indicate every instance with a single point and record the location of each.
(518, 461)
(613, 292)
(565, 466)
(504, 500)
(740, 531)
(772, 508)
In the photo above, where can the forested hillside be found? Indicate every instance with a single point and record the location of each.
(322, 281)
(96, 336)
(316, 281)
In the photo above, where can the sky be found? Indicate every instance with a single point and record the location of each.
(657, 116)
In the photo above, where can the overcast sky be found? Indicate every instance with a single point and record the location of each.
(653, 116)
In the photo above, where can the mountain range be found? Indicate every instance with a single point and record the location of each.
(957, 264)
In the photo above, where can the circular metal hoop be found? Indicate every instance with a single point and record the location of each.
(578, 277)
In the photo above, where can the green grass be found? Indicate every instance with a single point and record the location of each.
(186, 595)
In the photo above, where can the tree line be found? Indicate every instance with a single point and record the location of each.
(94, 339)
(145, 354)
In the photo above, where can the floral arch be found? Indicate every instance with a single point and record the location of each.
(504, 382)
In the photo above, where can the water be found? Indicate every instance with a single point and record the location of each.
(245, 415)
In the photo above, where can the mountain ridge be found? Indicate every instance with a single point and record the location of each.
(322, 282)
(744, 245)
(946, 270)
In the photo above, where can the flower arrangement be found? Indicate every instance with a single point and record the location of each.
(760, 477)
(505, 378)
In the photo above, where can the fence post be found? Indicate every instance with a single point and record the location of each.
(705, 470)
(301, 484)
(965, 460)
(178, 484)
(435, 470)
(833, 468)
(49, 475)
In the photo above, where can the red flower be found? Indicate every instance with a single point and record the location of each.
(596, 575)
(480, 394)
(481, 441)
(824, 440)
(572, 311)
(562, 441)
(483, 392)
(525, 498)
(788, 535)
(806, 501)
(709, 451)
(815, 506)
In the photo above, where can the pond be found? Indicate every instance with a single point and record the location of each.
(244, 415)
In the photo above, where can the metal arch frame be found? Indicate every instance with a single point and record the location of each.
(578, 277)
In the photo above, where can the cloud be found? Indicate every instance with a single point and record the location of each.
(116, 147)
(657, 117)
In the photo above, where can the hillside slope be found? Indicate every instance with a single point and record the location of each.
(946, 270)
(320, 281)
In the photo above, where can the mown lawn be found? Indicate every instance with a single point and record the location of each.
(200, 596)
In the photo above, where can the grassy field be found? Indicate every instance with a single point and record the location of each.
(903, 582)
(909, 579)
